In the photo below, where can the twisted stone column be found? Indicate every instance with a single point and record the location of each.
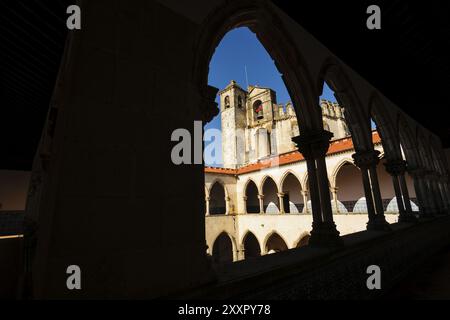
(314, 146)
(367, 161)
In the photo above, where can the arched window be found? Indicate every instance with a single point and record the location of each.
(258, 110)
(239, 102)
(227, 102)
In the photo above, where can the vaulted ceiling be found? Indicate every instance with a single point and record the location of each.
(406, 60)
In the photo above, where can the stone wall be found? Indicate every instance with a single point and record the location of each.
(10, 266)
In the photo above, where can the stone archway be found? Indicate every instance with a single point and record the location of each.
(271, 200)
(222, 251)
(303, 241)
(251, 246)
(251, 198)
(260, 19)
(350, 191)
(275, 244)
(291, 190)
(217, 203)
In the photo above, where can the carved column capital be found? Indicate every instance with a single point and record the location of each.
(366, 159)
(281, 195)
(260, 197)
(396, 167)
(313, 144)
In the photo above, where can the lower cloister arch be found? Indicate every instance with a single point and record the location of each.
(275, 244)
(222, 251)
(303, 241)
(251, 246)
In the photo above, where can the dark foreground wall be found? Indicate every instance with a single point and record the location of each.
(10, 265)
(319, 274)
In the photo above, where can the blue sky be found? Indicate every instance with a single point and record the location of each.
(240, 49)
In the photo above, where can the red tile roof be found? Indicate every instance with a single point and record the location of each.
(336, 146)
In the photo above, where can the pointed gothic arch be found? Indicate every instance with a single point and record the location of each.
(270, 192)
(217, 198)
(385, 127)
(274, 243)
(251, 246)
(223, 247)
(332, 73)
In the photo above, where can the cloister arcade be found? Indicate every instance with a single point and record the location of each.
(85, 174)
(281, 193)
(378, 174)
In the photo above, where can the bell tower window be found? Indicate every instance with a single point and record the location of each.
(227, 102)
(239, 102)
(259, 110)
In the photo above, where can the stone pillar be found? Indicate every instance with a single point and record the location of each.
(314, 147)
(227, 206)
(397, 171)
(367, 161)
(207, 199)
(261, 203)
(334, 192)
(305, 201)
(281, 201)
(241, 253)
